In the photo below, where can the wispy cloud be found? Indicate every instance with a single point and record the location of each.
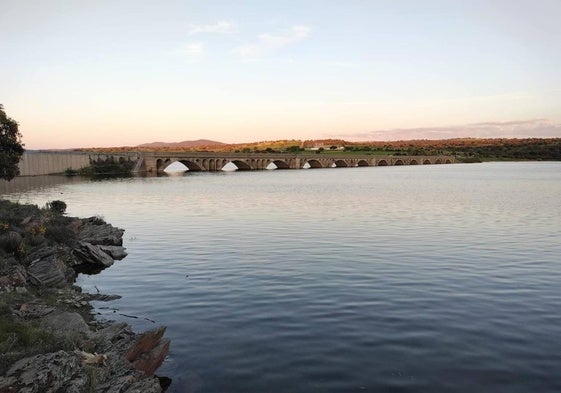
(267, 43)
(534, 128)
(221, 27)
(192, 49)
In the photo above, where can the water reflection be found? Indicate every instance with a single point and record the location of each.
(35, 183)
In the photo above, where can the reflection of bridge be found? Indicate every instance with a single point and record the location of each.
(156, 162)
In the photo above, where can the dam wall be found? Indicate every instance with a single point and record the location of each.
(37, 163)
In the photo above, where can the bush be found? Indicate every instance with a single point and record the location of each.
(58, 230)
(56, 207)
(108, 167)
(70, 172)
(10, 241)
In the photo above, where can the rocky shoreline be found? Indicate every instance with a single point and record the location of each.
(49, 339)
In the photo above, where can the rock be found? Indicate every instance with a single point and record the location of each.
(113, 333)
(47, 272)
(42, 253)
(100, 297)
(131, 384)
(106, 357)
(52, 372)
(64, 324)
(34, 310)
(116, 252)
(96, 231)
(149, 362)
(92, 358)
(14, 277)
(149, 351)
(89, 254)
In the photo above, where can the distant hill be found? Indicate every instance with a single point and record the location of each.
(184, 144)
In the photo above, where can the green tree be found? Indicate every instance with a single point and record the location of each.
(11, 147)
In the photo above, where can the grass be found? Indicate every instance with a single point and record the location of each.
(16, 336)
(19, 336)
(93, 378)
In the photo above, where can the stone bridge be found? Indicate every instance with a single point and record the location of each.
(156, 162)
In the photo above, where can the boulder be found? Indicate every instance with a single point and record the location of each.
(47, 272)
(92, 255)
(63, 324)
(149, 351)
(97, 232)
(116, 252)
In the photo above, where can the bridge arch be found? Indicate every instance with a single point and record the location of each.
(279, 164)
(192, 166)
(447, 162)
(241, 165)
(314, 163)
(382, 163)
(427, 162)
(340, 163)
(362, 163)
(413, 162)
(438, 161)
(398, 162)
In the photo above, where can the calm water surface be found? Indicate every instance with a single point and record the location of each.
(387, 279)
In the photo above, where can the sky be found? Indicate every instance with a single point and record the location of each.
(121, 73)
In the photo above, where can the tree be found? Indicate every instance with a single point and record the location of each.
(11, 147)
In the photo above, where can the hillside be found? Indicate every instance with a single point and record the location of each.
(471, 149)
(183, 144)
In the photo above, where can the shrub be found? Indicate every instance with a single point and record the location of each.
(58, 230)
(56, 207)
(10, 241)
(70, 172)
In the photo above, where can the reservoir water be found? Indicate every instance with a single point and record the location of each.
(436, 278)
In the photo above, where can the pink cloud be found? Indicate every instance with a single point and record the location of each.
(534, 128)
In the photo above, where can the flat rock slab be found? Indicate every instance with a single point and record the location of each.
(116, 252)
(93, 255)
(52, 372)
(97, 232)
(47, 272)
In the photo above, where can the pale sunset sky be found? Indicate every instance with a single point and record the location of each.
(114, 73)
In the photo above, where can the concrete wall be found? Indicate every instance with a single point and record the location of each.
(36, 163)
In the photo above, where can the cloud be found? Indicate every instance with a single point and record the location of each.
(267, 43)
(534, 128)
(192, 49)
(221, 27)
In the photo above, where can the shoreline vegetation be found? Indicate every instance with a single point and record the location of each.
(49, 338)
(464, 149)
(104, 167)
